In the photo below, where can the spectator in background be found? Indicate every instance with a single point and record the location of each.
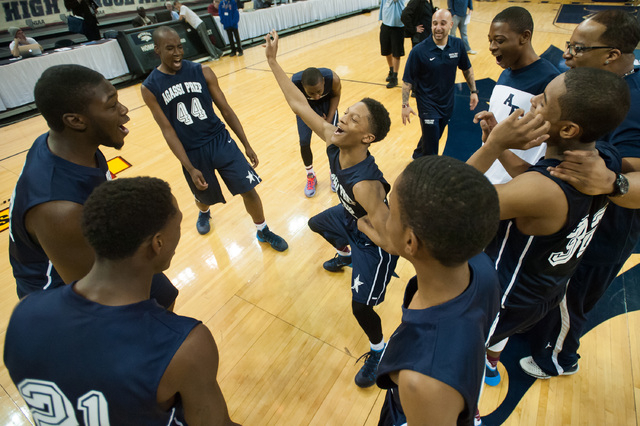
(261, 4)
(229, 17)
(461, 10)
(213, 8)
(197, 24)
(87, 10)
(142, 19)
(19, 39)
(416, 18)
(392, 37)
(174, 15)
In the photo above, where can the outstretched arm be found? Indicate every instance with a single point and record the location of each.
(370, 195)
(587, 172)
(227, 112)
(293, 95)
(172, 138)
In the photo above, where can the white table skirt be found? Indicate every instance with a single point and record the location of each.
(259, 22)
(18, 79)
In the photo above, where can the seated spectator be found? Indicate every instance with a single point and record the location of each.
(19, 39)
(261, 4)
(174, 15)
(142, 19)
(213, 8)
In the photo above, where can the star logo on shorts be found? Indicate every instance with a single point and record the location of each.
(251, 176)
(356, 283)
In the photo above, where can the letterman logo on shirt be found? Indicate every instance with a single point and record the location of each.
(579, 239)
(509, 102)
(453, 55)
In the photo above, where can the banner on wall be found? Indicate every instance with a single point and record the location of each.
(15, 13)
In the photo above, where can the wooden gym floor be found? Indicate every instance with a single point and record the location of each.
(287, 339)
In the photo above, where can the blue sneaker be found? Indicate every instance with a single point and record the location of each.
(491, 374)
(277, 242)
(366, 377)
(202, 225)
(337, 263)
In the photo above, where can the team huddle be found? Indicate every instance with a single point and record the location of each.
(525, 236)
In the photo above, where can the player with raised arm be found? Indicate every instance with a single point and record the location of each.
(362, 191)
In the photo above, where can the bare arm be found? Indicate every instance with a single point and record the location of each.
(513, 132)
(427, 401)
(513, 164)
(471, 82)
(172, 138)
(192, 373)
(370, 195)
(296, 100)
(588, 173)
(537, 202)
(336, 89)
(227, 112)
(56, 226)
(406, 108)
(16, 50)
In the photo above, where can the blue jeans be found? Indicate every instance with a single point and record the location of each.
(458, 22)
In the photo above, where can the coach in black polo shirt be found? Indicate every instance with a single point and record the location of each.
(431, 73)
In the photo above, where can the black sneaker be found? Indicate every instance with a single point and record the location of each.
(393, 81)
(337, 263)
(366, 377)
(389, 75)
(277, 242)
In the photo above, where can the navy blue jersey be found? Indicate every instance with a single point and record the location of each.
(432, 73)
(534, 269)
(619, 230)
(186, 102)
(327, 93)
(74, 359)
(45, 177)
(445, 342)
(514, 90)
(345, 179)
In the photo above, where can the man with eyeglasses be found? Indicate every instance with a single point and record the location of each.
(605, 41)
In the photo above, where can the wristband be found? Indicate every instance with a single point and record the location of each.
(474, 91)
(405, 105)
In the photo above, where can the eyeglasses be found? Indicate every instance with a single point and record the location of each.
(576, 50)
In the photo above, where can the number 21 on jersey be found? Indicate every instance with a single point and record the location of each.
(49, 406)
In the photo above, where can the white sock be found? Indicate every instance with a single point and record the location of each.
(206, 211)
(378, 346)
(344, 253)
(261, 226)
(310, 170)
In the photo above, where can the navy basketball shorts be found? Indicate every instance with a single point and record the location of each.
(221, 154)
(304, 132)
(372, 266)
(518, 316)
(391, 41)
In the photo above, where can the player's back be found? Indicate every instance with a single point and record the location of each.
(88, 360)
